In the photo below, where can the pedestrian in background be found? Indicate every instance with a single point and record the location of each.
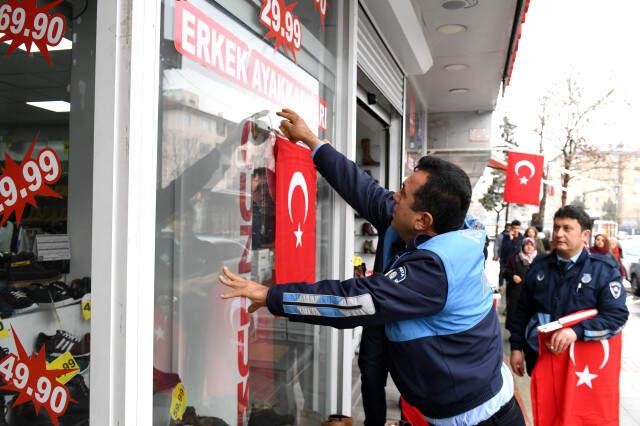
(515, 272)
(511, 245)
(601, 245)
(497, 244)
(616, 251)
(532, 232)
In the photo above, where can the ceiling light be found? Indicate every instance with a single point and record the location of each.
(55, 106)
(65, 44)
(459, 91)
(458, 4)
(456, 67)
(452, 29)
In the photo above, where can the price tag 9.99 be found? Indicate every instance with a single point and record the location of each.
(20, 184)
(66, 361)
(178, 402)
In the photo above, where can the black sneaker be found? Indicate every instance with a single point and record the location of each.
(268, 417)
(55, 294)
(79, 287)
(19, 301)
(77, 412)
(62, 342)
(6, 310)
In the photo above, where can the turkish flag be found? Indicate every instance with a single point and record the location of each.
(524, 175)
(578, 387)
(411, 414)
(295, 256)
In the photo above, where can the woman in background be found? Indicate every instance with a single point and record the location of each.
(515, 271)
(616, 251)
(532, 233)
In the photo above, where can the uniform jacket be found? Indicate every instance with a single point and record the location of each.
(550, 293)
(446, 349)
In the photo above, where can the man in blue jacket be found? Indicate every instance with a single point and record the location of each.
(567, 280)
(445, 347)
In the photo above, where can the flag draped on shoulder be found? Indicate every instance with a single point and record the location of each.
(580, 386)
(295, 241)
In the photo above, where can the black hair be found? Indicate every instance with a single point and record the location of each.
(515, 222)
(446, 194)
(577, 213)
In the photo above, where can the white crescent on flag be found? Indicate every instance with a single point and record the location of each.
(297, 180)
(525, 163)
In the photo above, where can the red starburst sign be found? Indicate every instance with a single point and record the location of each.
(282, 24)
(23, 22)
(21, 183)
(28, 376)
(321, 5)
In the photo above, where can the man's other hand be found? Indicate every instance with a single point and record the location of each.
(561, 340)
(257, 293)
(517, 362)
(295, 128)
(496, 258)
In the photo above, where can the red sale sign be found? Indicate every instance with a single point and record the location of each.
(321, 5)
(21, 183)
(282, 24)
(23, 22)
(29, 377)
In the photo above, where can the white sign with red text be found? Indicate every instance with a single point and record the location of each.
(268, 79)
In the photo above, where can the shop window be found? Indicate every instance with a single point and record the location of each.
(215, 208)
(46, 142)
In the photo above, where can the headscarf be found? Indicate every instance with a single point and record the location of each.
(528, 258)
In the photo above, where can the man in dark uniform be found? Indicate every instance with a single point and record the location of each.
(567, 280)
(434, 303)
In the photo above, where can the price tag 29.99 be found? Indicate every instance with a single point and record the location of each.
(283, 25)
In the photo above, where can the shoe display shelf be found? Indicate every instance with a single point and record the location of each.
(44, 320)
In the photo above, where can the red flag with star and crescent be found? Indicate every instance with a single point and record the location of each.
(295, 241)
(524, 176)
(578, 387)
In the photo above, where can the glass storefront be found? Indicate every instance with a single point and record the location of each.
(415, 129)
(46, 142)
(221, 82)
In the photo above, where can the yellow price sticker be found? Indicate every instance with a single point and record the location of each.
(86, 306)
(178, 402)
(64, 362)
(4, 331)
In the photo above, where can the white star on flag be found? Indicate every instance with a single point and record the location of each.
(159, 333)
(585, 377)
(298, 235)
(524, 180)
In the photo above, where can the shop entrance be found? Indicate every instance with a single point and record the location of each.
(46, 147)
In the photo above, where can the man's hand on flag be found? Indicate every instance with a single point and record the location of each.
(257, 293)
(296, 129)
(561, 340)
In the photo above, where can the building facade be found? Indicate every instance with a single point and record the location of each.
(165, 134)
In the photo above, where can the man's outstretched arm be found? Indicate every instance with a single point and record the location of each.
(412, 290)
(355, 186)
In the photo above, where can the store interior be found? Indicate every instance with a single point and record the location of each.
(46, 130)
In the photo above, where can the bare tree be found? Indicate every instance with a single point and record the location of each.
(541, 131)
(574, 142)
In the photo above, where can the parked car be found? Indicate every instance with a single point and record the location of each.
(631, 261)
